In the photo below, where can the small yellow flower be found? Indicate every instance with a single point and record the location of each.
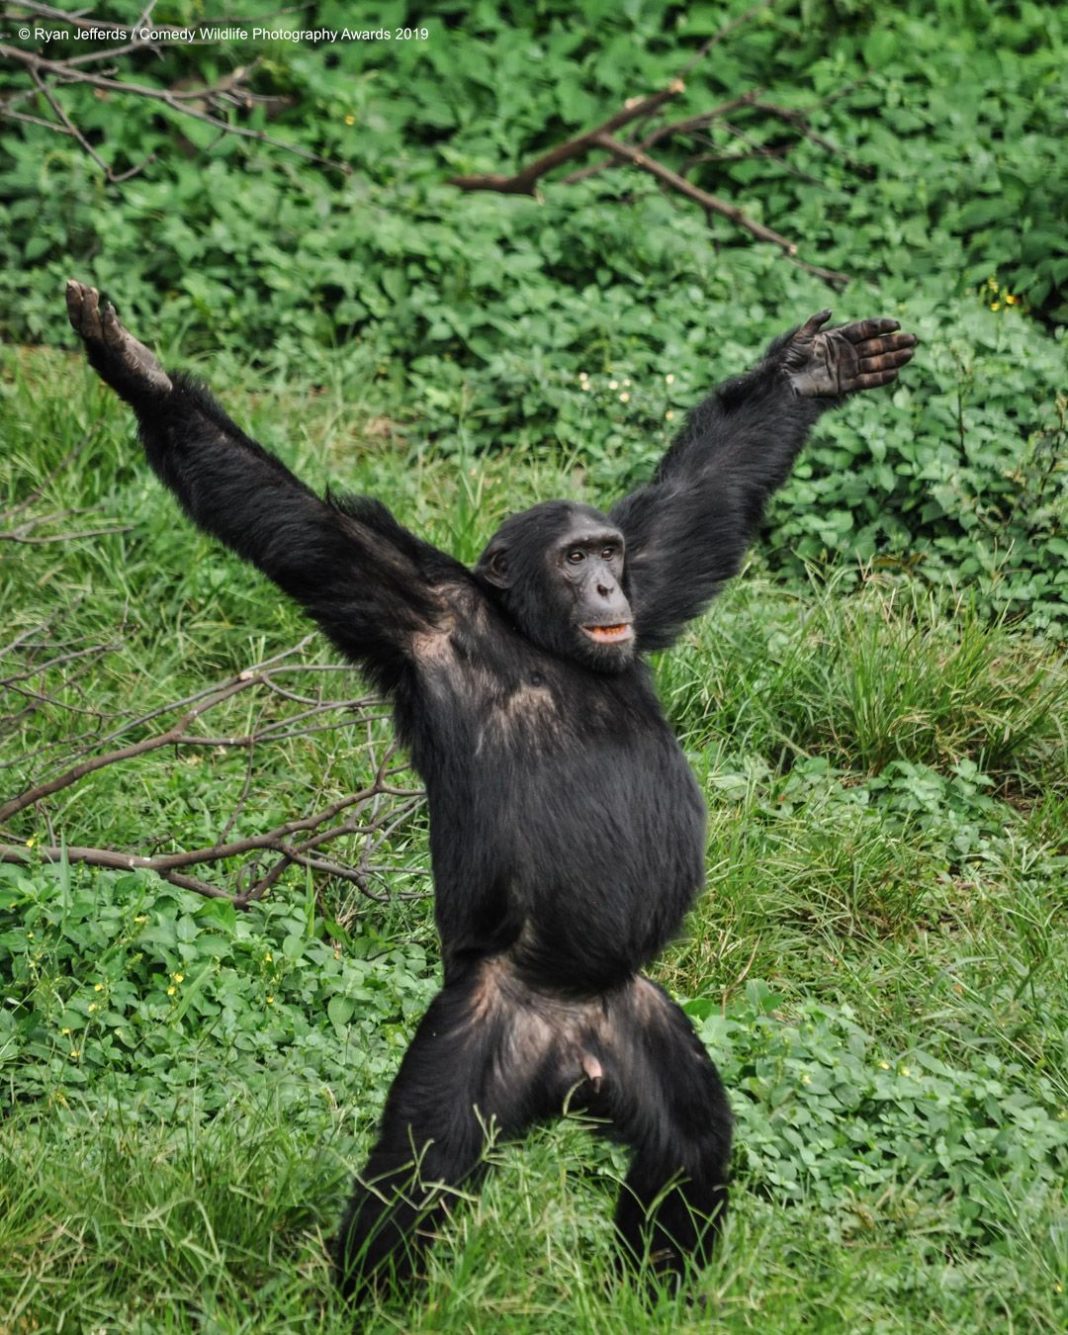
(268, 957)
(98, 987)
(669, 378)
(995, 305)
(905, 1070)
(178, 977)
(624, 397)
(350, 119)
(93, 1007)
(669, 416)
(613, 384)
(1010, 299)
(141, 917)
(66, 1032)
(75, 1053)
(31, 841)
(171, 991)
(270, 1001)
(884, 1066)
(806, 1079)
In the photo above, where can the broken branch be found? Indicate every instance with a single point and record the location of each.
(713, 204)
(523, 182)
(369, 814)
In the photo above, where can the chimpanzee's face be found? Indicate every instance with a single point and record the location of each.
(559, 571)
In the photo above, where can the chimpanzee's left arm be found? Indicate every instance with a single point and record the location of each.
(687, 529)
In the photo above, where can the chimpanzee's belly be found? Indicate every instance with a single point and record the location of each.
(580, 859)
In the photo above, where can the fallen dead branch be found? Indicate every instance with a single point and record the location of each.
(524, 181)
(713, 204)
(288, 698)
(635, 153)
(42, 101)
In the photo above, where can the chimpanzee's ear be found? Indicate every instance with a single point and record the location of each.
(493, 566)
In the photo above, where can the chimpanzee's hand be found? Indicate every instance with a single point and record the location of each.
(119, 358)
(827, 363)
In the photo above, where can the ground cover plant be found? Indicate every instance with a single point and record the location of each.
(876, 710)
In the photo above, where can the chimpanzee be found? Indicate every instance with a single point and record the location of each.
(566, 830)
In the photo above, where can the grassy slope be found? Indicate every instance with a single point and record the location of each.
(880, 954)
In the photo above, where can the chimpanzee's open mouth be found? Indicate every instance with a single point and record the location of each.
(610, 634)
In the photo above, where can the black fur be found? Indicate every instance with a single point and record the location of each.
(567, 833)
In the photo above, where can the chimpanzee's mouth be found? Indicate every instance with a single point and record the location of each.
(610, 634)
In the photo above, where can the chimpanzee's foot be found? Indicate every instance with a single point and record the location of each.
(123, 362)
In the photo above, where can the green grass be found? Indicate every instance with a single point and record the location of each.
(878, 964)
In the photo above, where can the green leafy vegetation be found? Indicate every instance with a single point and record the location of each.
(876, 710)
(473, 317)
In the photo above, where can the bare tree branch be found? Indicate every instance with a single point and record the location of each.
(713, 204)
(24, 534)
(523, 182)
(602, 136)
(46, 74)
(723, 33)
(682, 127)
(369, 815)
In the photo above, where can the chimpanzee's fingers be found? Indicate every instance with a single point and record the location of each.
(885, 360)
(813, 324)
(113, 331)
(872, 347)
(124, 362)
(873, 381)
(861, 330)
(83, 309)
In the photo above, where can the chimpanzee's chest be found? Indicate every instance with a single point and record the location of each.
(470, 711)
(547, 772)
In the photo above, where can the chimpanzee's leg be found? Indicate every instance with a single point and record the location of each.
(664, 1098)
(480, 1065)
(494, 1054)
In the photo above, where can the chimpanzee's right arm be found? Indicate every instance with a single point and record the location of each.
(369, 583)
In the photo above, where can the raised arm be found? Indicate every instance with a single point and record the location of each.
(369, 583)
(687, 529)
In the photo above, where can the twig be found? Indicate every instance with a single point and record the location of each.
(772, 152)
(169, 865)
(60, 659)
(72, 129)
(713, 204)
(23, 535)
(671, 128)
(369, 814)
(722, 33)
(106, 857)
(68, 73)
(168, 738)
(523, 182)
(50, 12)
